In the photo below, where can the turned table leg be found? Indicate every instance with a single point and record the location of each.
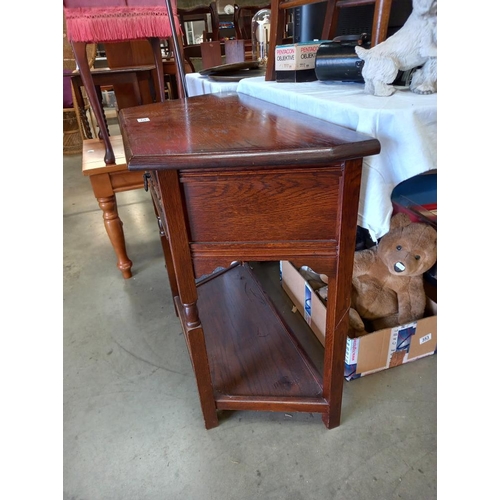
(114, 228)
(101, 185)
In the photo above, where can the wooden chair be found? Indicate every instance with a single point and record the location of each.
(279, 8)
(202, 13)
(211, 54)
(72, 129)
(170, 69)
(208, 54)
(235, 51)
(243, 20)
(78, 121)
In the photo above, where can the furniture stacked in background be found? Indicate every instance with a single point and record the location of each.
(278, 19)
(78, 123)
(208, 14)
(230, 38)
(237, 24)
(118, 22)
(243, 16)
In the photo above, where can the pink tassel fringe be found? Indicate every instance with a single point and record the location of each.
(100, 25)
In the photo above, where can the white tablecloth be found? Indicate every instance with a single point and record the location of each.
(199, 85)
(404, 123)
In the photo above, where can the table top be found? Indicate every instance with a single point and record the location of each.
(232, 130)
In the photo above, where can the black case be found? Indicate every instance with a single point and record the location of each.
(338, 61)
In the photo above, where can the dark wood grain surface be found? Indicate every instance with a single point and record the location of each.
(221, 130)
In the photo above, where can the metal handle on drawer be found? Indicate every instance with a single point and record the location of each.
(146, 176)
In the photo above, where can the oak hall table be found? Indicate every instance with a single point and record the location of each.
(236, 179)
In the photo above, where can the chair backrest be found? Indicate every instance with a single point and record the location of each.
(243, 20)
(201, 13)
(214, 13)
(211, 54)
(278, 16)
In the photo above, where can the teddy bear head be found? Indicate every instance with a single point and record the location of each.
(409, 248)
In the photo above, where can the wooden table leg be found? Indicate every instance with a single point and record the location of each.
(80, 51)
(103, 191)
(169, 263)
(186, 302)
(160, 75)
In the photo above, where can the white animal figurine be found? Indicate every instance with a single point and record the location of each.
(413, 46)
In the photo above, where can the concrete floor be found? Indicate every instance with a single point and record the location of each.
(133, 428)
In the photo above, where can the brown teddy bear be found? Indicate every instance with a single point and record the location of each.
(387, 283)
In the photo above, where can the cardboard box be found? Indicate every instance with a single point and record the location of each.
(296, 62)
(375, 351)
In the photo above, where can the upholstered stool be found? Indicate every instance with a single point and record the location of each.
(116, 21)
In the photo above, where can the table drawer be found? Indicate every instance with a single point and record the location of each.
(245, 206)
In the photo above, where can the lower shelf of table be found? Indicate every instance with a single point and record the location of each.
(255, 360)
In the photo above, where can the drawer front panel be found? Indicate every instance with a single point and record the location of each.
(281, 204)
